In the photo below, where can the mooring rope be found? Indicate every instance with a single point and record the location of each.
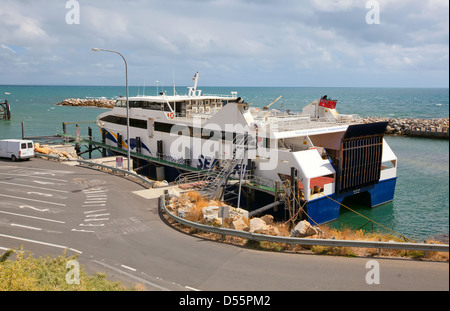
(371, 220)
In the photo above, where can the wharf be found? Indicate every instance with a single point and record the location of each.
(5, 110)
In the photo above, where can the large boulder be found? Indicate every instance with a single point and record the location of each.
(258, 225)
(211, 215)
(237, 213)
(303, 229)
(239, 224)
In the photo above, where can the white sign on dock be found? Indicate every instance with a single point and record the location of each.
(119, 162)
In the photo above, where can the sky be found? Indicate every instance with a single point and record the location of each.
(298, 43)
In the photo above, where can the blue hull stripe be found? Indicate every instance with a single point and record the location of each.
(324, 210)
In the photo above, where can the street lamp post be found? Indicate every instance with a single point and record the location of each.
(128, 105)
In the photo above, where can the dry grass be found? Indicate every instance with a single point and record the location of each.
(198, 203)
(20, 271)
(361, 235)
(195, 212)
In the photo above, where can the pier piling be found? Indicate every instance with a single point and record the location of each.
(5, 111)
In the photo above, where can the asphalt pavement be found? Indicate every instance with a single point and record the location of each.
(48, 207)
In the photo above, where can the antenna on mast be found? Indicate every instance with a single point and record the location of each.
(193, 90)
(195, 81)
(173, 82)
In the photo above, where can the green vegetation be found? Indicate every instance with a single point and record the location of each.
(19, 271)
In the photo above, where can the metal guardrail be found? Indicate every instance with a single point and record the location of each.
(304, 241)
(90, 163)
(277, 239)
(125, 172)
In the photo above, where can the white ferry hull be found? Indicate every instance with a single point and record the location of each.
(330, 160)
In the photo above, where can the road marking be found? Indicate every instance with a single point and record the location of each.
(94, 191)
(39, 242)
(98, 210)
(78, 230)
(34, 217)
(92, 225)
(98, 215)
(33, 176)
(34, 208)
(27, 227)
(139, 279)
(20, 198)
(41, 188)
(100, 219)
(34, 169)
(89, 202)
(129, 268)
(41, 194)
(3, 167)
(93, 205)
(193, 289)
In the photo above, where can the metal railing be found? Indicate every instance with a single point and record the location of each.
(304, 241)
(276, 239)
(125, 172)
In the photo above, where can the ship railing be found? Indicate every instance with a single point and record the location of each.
(346, 118)
(191, 114)
(262, 181)
(287, 123)
(190, 177)
(220, 95)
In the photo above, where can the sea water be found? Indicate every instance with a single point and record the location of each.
(420, 209)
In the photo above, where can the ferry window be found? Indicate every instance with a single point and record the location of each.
(135, 104)
(123, 121)
(138, 123)
(152, 106)
(166, 106)
(163, 127)
(120, 103)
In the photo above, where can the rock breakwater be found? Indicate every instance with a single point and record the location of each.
(88, 102)
(437, 128)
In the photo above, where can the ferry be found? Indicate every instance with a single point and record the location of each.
(330, 156)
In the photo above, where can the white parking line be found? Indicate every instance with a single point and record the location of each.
(95, 211)
(26, 227)
(34, 217)
(34, 187)
(34, 176)
(20, 198)
(137, 278)
(129, 268)
(39, 242)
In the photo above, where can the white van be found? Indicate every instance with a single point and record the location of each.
(16, 149)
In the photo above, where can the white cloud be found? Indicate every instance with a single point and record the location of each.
(234, 42)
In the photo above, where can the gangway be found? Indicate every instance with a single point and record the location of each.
(219, 176)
